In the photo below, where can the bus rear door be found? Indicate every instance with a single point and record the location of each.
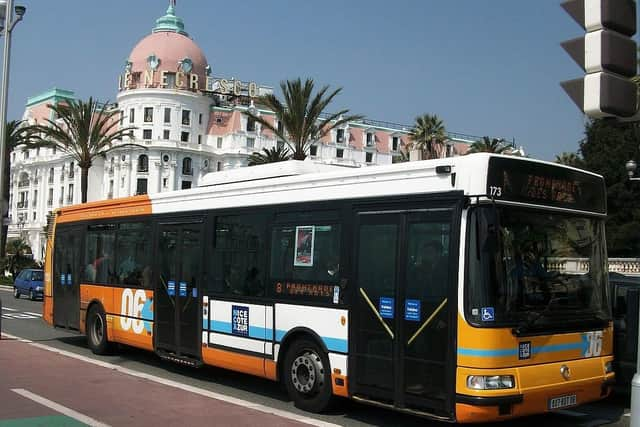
(177, 290)
(67, 276)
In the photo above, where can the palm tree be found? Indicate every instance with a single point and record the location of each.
(428, 135)
(300, 115)
(569, 159)
(88, 130)
(269, 155)
(490, 145)
(17, 134)
(18, 257)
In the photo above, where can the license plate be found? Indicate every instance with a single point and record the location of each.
(563, 401)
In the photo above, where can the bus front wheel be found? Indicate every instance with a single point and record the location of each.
(307, 376)
(97, 331)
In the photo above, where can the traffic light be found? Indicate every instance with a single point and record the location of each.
(607, 54)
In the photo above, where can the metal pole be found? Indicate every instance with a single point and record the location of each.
(635, 384)
(3, 109)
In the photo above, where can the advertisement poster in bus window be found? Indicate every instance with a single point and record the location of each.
(303, 256)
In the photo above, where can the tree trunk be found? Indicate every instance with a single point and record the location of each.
(84, 178)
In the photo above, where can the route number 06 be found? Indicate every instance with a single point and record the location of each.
(594, 340)
(131, 310)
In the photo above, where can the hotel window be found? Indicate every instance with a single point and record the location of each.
(71, 170)
(61, 200)
(165, 182)
(34, 215)
(184, 136)
(143, 163)
(369, 157)
(132, 115)
(25, 154)
(340, 135)
(121, 117)
(50, 198)
(200, 118)
(70, 194)
(186, 166)
(35, 198)
(219, 166)
(219, 142)
(167, 115)
(186, 117)
(251, 124)
(251, 142)
(394, 143)
(186, 185)
(51, 176)
(313, 150)
(148, 114)
(141, 186)
(280, 128)
(370, 139)
(146, 133)
(165, 134)
(110, 194)
(280, 145)
(339, 153)
(199, 139)
(54, 150)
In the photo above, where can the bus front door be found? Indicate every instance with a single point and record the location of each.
(66, 277)
(179, 258)
(404, 313)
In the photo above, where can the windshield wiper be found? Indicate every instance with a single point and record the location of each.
(526, 326)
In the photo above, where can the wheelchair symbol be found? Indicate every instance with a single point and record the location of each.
(487, 314)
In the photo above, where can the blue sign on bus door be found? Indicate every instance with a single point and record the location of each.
(183, 289)
(386, 307)
(412, 310)
(171, 288)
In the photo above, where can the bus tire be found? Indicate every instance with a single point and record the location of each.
(97, 330)
(307, 376)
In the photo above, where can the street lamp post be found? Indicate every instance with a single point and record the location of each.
(8, 22)
(631, 167)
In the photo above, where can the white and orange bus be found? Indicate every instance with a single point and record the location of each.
(437, 288)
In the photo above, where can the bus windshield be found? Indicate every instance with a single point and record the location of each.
(536, 271)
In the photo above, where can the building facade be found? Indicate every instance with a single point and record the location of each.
(188, 123)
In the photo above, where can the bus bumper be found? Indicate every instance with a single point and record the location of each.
(539, 389)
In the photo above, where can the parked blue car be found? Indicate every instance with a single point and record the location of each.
(29, 282)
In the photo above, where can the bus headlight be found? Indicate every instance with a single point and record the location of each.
(490, 382)
(608, 367)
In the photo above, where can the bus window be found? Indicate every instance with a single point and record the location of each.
(303, 256)
(99, 254)
(134, 247)
(239, 255)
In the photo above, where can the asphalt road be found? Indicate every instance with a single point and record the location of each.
(22, 318)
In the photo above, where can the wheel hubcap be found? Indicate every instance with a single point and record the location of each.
(307, 372)
(97, 330)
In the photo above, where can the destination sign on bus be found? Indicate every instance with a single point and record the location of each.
(543, 184)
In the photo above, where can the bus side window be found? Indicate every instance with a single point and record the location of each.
(305, 254)
(99, 254)
(133, 252)
(239, 255)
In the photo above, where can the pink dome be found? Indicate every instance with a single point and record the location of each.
(171, 48)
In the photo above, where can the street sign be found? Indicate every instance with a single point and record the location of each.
(607, 54)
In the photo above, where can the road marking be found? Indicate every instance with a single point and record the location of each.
(33, 314)
(9, 309)
(185, 387)
(59, 408)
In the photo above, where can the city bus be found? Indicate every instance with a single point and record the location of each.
(438, 288)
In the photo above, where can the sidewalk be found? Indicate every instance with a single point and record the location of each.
(41, 387)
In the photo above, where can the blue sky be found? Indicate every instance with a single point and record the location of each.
(486, 67)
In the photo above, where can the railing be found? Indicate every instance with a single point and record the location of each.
(23, 205)
(629, 266)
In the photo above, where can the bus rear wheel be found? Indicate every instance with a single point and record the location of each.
(97, 331)
(307, 376)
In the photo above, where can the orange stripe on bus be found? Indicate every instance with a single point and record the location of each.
(126, 206)
(253, 365)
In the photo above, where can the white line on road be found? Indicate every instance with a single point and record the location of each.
(59, 408)
(9, 309)
(192, 389)
(33, 314)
